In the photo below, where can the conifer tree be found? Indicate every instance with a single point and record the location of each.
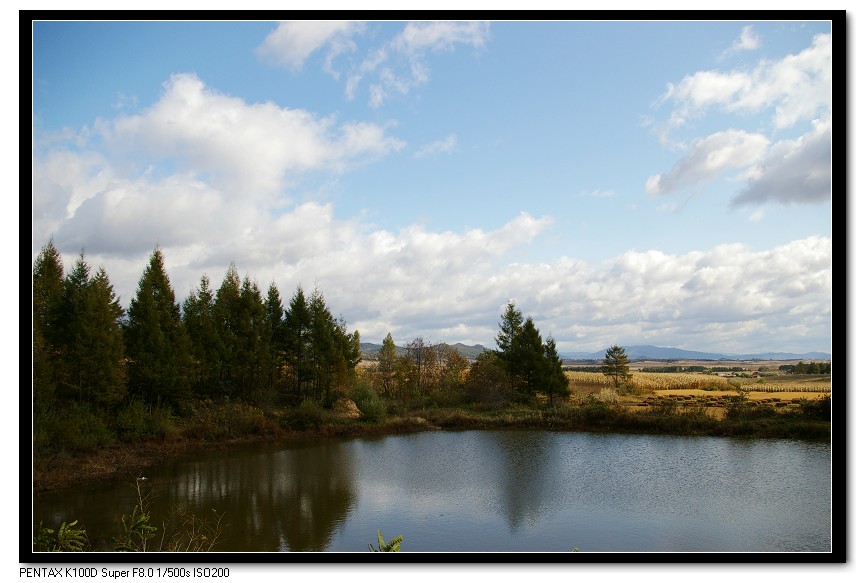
(89, 339)
(156, 341)
(253, 337)
(274, 313)
(616, 365)
(554, 375)
(297, 326)
(106, 358)
(47, 293)
(205, 343)
(529, 366)
(227, 317)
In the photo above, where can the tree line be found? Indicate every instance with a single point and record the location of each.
(810, 368)
(93, 357)
(98, 361)
(523, 370)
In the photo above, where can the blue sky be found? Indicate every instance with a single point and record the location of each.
(630, 183)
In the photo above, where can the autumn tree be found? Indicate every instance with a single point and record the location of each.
(616, 365)
(487, 381)
(386, 364)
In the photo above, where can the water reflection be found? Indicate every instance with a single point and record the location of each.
(489, 491)
(280, 499)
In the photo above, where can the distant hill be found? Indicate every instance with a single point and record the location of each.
(648, 352)
(370, 350)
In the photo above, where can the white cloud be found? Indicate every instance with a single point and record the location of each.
(797, 87)
(292, 42)
(419, 37)
(793, 171)
(747, 41)
(400, 66)
(757, 216)
(444, 146)
(447, 285)
(247, 148)
(708, 157)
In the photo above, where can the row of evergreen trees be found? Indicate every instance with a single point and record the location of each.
(96, 365)
(233, 341)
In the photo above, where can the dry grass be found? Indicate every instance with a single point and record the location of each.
(694, 384)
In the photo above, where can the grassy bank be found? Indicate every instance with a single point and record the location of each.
(222, 425)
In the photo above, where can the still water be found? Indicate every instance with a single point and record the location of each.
(488, 491)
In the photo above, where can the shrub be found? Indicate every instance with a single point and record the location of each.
(132, 421)
(368, 401)
(595, 412)
(308, 415)
(819, 409)
(80, 429)
(162, 423)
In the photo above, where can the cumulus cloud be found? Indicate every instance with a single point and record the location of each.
(708, 157)
(452, 286)
(292, 42)
(793, 171)
(797, 87)
(444, 146)
(247, 147)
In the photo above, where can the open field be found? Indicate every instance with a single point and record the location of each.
(702, 390)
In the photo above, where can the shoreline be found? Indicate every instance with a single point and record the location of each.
(65, 471)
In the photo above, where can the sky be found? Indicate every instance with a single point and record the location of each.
(661, 183)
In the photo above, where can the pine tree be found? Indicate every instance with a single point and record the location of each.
(253, 337)
(531, 365)
(156, 342)
(205, 343)
(227, 312)
(47, 294)
(274, 313)
(616, 365)
(107, 350)
(88, 338)
(73, 332)
(554, 375)
(528, 357)
(297, 325)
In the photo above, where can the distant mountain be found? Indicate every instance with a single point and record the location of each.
(648, 352)
(370, 350)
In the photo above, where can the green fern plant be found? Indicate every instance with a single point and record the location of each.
(139, 530)
(68, 539)
(383, 547)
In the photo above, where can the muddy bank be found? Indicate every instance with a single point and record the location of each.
(134, 459)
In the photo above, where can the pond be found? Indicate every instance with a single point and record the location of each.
(487, 491)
